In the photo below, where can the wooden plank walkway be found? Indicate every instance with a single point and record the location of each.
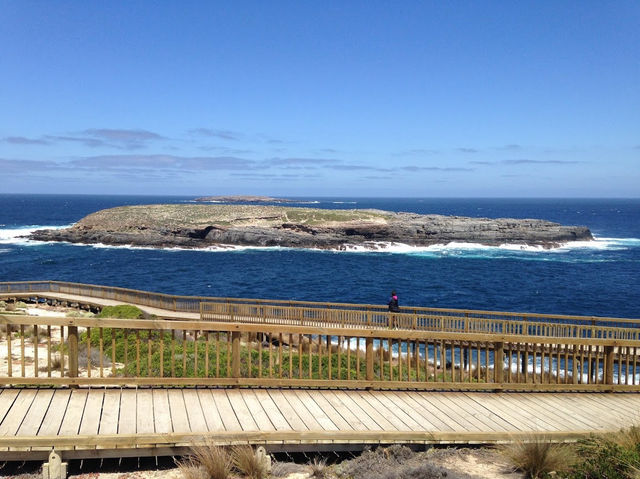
(108, 422)
(72, 298)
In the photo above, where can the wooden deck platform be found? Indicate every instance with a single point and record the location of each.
(115, 422)
(94, 422)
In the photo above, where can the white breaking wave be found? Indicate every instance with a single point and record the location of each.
(458, 247)
(19, 235)
(212, 248)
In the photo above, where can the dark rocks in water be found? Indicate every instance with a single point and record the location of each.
(201, 226)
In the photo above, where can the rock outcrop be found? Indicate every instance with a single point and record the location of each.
(200, 226)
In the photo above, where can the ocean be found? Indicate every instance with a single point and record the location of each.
(599, 278)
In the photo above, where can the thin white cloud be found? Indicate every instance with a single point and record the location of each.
(301, 162)
(433, 168)
(28, 166)
(525, 161)
(211, 133)
(164, 162)
(21, 140)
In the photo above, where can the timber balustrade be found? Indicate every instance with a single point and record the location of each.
(425, 320)
(73, 351)
(346, 315)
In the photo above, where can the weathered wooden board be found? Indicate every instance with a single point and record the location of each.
(101, 420)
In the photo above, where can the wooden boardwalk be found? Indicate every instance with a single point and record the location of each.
(108, 422)
(101, 302)
(99, 421)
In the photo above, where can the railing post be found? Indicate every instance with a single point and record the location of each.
(608, 364)
(235, 354)
(72, 342)
(498, 362)
(574, 371)
(369, 358)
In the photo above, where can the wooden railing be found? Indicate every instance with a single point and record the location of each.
(73, 351)
(348, 314)
(425, 320)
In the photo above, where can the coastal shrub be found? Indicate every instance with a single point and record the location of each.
(123, 311)
(614, 456)
(83, 356)
(421, 471)
(3, 305)
(284, 469)
(394, 462)
(147, 353)
(538, 456)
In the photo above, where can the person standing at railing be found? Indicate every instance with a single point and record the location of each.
(394, 307)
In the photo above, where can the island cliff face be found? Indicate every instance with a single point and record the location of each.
(201, 226)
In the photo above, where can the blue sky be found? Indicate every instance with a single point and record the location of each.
(331, 98)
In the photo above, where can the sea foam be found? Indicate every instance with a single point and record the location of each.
(19, 236)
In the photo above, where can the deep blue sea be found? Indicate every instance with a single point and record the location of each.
(601, 278)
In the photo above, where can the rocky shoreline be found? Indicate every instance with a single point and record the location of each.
(202, 226)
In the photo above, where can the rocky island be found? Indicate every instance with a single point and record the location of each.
(243, 199)
(210, 225)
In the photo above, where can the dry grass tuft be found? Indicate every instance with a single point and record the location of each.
(245, 462)
(538, 456)
(206, 462)
(319, 468)
(627, 438)
(191, 469)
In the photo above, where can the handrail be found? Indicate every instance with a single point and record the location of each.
(193, 303)
(165, 352)
(428, 321)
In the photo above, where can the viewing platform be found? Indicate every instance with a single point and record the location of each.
(300, 375)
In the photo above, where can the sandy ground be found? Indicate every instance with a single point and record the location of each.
(29, 348)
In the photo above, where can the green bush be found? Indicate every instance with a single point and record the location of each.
(3, 305)
(611, 457)
(123, 311)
